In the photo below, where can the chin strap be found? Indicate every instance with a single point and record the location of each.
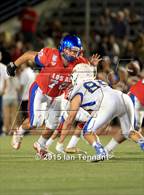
(69, 58)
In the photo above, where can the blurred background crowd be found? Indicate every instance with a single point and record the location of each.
(114, 30)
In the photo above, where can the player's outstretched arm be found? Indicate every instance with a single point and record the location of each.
(29, 55)
(74, 106)
(12, 66)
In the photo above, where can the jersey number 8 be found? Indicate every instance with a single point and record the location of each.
(91, 86)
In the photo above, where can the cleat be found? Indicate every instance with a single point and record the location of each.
(38, 147)
(142, 146)
(75, 150)
(41, 151)
(44, 156)
(141, 143)
(16, 140)
(99, 149)
(41, 155)
(100, 153)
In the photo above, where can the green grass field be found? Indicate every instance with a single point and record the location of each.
(21, 174)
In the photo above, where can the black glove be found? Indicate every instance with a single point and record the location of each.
(11, 69)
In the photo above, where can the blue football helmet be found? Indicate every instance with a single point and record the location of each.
(71, 42)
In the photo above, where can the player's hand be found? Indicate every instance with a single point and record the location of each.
(95, 59)
(60, 147)
(11, 69)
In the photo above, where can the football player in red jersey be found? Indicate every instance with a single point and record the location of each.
(54, 77)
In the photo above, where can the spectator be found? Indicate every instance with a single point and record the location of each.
(103, 25)
(5, 58)
(3, 80)
(17, 51)
(139, 47)
(120, 26)
(103, 46)
(10, 102)
(129, 52)
(104, 69)
(122, 84)
(113, 47)
(29, 20)
(27, 77)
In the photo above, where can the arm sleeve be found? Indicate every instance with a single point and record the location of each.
(37, 61)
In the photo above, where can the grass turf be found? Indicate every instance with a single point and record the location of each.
(21, 174)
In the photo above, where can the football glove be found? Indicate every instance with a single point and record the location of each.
(11, 69)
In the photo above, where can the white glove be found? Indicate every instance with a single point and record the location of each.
(60, 147)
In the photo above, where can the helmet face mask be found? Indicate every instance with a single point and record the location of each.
(71, 54)
(70, 47)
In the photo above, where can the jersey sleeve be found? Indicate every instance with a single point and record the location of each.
(41, 58)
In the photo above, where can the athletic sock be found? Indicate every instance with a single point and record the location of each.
(42, 141)
(73, 141)
(21, 131)
(49, 142)
(111, 145)
(96, 144)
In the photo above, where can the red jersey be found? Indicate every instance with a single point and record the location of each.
(138, 91)
(54, 78)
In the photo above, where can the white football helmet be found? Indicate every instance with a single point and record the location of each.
(81, 73)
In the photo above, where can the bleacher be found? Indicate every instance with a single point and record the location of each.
(73, 15)
(11, 8)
